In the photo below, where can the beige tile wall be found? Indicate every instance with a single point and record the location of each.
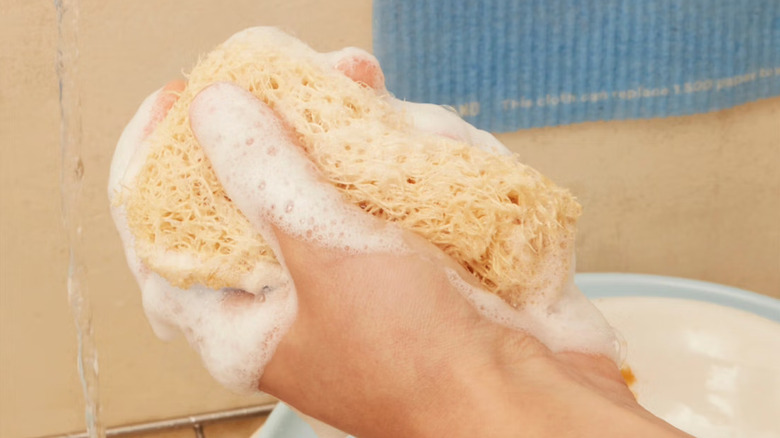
(128, 49)
(692, 196)
(695, 196)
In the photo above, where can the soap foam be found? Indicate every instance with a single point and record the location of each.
(271, 180)
(567, 321)
(412, 165)
(235, 331)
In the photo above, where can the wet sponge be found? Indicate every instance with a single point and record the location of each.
(500, 219)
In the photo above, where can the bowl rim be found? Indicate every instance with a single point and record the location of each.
(612, 284)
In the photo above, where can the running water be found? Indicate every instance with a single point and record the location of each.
(71, 184)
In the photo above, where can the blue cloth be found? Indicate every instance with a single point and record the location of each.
(510, 64)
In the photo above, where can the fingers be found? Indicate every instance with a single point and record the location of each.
(439, 120)
(358, 65)
(235, 333)
(271, 181)
(305, 220)
(129, 156)
(268, 177)
(165, 100)
(130, 153)
(129, 143)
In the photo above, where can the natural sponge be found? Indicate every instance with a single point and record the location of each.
(500, 219)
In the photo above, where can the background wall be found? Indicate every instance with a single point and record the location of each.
(691, 196)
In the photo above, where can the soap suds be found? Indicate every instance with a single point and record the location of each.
(235, 341)
(240, 133)
(416, 166)
(563, 321)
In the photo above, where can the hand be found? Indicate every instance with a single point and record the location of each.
(221, 325)
(384, 344)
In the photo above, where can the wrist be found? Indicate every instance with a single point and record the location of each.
(528, 391)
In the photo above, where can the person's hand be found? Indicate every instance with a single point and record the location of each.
(383, 343)
(221, 325)
(233, 331)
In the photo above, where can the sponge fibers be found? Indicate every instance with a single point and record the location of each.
(501, 220)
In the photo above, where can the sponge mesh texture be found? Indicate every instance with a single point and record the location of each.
(498, 218)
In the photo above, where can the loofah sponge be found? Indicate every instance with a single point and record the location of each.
(500, 219)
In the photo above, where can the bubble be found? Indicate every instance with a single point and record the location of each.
(236, 340)
(563, 320)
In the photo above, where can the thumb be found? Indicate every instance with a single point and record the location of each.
(269, 178)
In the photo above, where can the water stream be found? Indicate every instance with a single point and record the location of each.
(71, 180)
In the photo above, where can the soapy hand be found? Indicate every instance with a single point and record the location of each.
(233, 331)
(376, 339)
(383, 343)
